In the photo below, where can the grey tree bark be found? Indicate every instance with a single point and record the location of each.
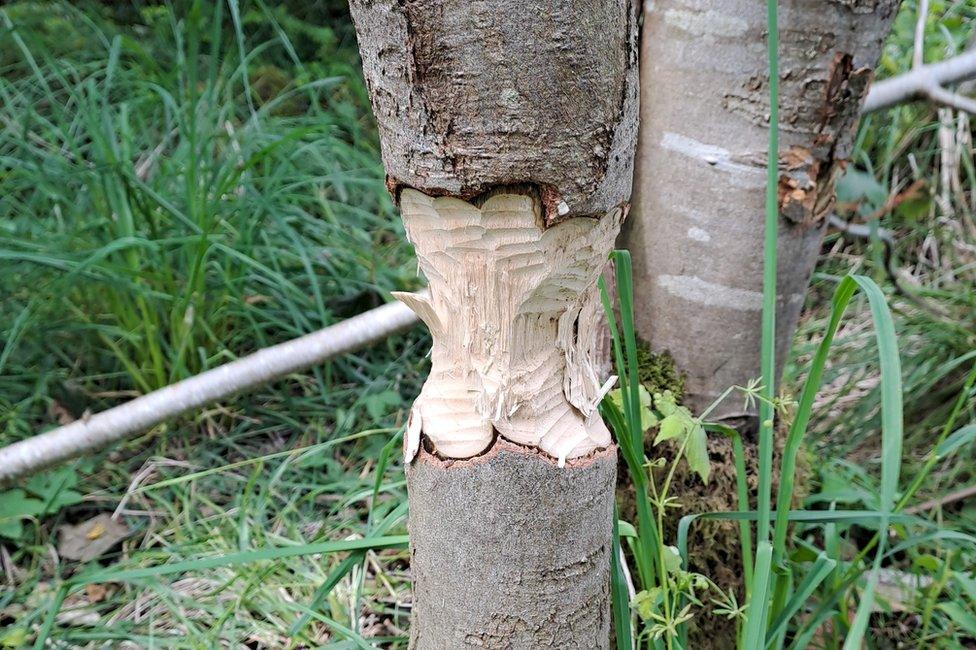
(697, 228)
(508, 550)
(508, 130)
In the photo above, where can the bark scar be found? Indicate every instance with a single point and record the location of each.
(514, 313)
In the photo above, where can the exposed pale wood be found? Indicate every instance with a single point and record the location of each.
(512, 311)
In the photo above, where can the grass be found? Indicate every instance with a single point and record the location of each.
(177, 191)
(184, 184)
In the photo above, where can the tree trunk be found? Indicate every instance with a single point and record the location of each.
(697, 231)
(493, 569)
(508, 130)
(696, 234)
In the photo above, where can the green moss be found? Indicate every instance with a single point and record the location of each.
(657, 371)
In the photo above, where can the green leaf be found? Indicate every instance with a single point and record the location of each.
(625, 529)
(673, 426)
(914, 209)
(378, 404)
(696, 452)
(11, 528)
(665, 403)
(672, 559)
(927, 563)
(958, 439)
(646, 602)
(857, 186)
(54, 488)
(961, 616)
(15, 505)
(647, 417)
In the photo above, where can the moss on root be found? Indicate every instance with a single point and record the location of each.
(713, 545)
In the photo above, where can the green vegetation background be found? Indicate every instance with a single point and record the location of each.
(184, 183)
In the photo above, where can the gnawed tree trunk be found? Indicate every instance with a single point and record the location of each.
(507, 131)
(697, 229)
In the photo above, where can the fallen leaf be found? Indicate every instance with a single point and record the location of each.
(60, 413)
(96, 592)
(88, 540)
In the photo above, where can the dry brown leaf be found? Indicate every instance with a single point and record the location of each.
(60, 413)
(96, 592)
(90, 539)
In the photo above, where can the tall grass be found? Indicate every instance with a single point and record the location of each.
(156, 225)
(175, 191)
(784, 588)
(788, 595)
(793, 594)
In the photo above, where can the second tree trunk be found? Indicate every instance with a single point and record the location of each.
(696, 232)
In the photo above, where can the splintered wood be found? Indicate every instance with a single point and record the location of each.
(514, 312)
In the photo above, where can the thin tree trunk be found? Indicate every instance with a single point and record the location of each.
(510, 551)
(697, 228)
(507, 130)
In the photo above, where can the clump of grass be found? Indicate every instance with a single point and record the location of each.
(789, 594)
(911, 183)
(166, 210)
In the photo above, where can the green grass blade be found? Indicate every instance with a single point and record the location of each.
(337, 574)
(892, 424)
(859, 517)
(855, 636)
(340, 629)
(755, 628)
(758, 600)
(625, 293)
(892, 435)
(246, 557)
(626, 425)
(742, 497)
(959, 438)
(816, 574)
(50, 617)
(802, 640)
(768, 350)
(620, 593)
(842, 297)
